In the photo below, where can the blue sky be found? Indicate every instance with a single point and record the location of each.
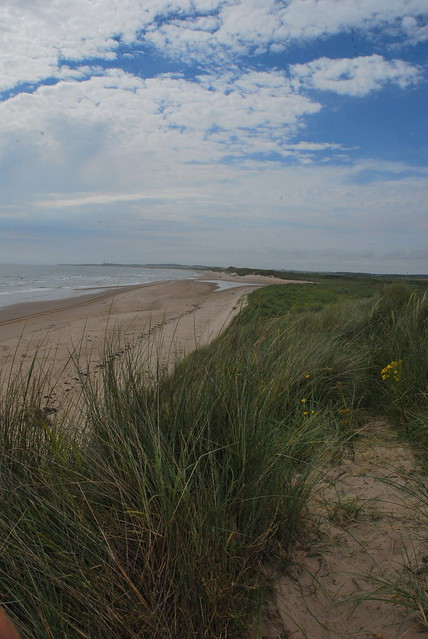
(268, 133)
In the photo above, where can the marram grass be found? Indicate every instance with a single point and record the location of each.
(152, 512)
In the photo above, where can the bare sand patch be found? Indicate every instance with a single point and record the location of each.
(172, 318)
(264, 280)
(368, 531)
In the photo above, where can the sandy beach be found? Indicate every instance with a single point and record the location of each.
(171, 318)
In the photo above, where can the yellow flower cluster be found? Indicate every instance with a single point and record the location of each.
(306, 412)
(346, 416)
(392, 371)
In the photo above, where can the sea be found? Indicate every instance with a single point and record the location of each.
(35, 283)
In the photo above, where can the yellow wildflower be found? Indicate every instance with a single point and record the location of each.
(392, 371)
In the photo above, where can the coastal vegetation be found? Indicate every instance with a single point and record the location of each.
(156, 508)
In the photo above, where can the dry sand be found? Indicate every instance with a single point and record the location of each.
(174, 317)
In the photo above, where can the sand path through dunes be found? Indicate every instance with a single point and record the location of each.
(371, 531)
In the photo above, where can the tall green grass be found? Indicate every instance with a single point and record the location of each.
(151, 511)
(152, 515)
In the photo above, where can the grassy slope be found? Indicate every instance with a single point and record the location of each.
(152, 516)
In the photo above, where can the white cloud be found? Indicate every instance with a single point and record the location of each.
(415, 30)
(255, 26)
(355, 76)
(38, 36)
(310, 19)
(160, 119)
(313, 146)
(84, 199)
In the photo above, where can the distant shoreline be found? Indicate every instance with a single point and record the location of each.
(123, 265)
(249, 270)
(23, 284)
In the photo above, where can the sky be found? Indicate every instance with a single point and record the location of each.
(287, 134)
